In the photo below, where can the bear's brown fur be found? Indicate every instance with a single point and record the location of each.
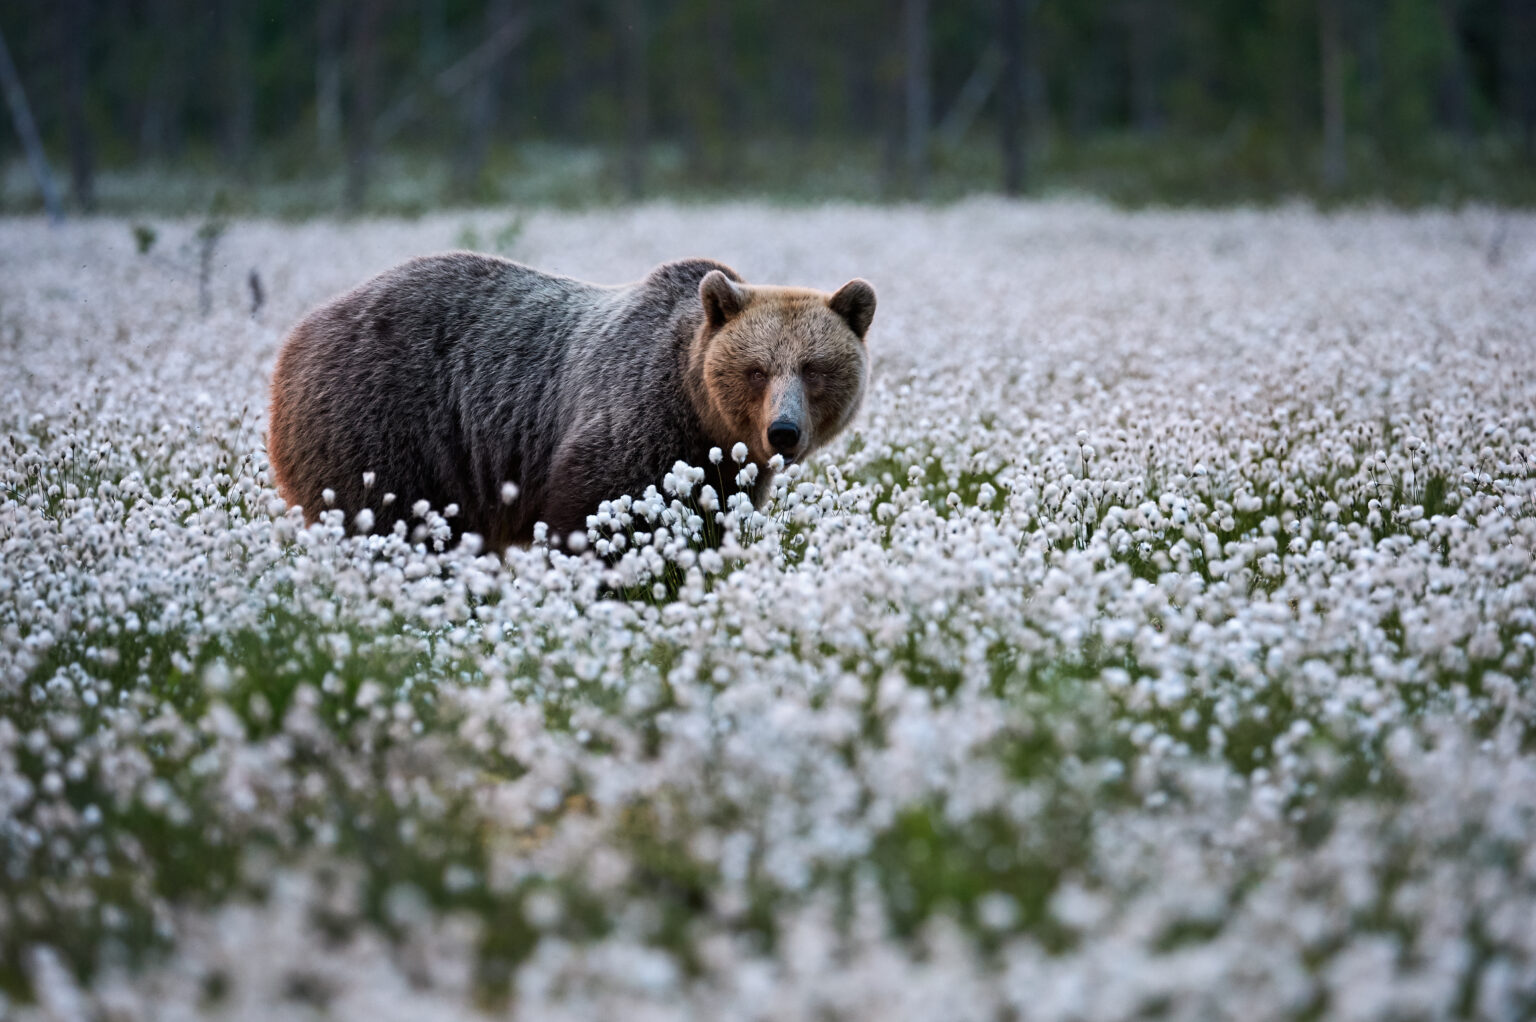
(449, 376)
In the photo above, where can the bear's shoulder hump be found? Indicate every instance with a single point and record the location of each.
(685, 274)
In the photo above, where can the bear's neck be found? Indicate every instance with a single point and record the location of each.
(710, 417)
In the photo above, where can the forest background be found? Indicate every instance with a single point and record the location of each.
(294, 107)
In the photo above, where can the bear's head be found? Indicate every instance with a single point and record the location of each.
(781, 369)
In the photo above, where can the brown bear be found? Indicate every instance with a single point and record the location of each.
(450, 376)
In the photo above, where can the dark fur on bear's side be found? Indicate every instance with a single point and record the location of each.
(451, 375)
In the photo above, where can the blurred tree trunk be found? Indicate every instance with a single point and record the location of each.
(364, 66)
(239, 84)
(889, 81)
(82, 156)
(633, 75)
(1370, 75)
(26, 131)
(1331, 45)
(726, 99)
(1144, 21)
(1518, 69)
(1094, 60)
(160, 128)
(483, 105)
(950, 130)
(520, 105)
(570, 90)
(330, 20)
(794, 79)
(1037, 100)
(863, 81)
(918, 93)
(1010, 93)
(1456, 82)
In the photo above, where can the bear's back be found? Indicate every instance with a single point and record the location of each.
(375, 380)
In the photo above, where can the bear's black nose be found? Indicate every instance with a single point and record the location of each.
(783, 436)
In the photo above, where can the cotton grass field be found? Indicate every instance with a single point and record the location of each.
(1158, 643)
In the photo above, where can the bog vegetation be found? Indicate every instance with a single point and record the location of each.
(1159, 640)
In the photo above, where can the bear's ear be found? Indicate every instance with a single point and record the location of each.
(855, 302)
(722, 299)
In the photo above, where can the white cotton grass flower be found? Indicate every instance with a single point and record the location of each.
(1246, 552)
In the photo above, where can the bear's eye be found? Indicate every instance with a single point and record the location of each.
(816, 376)
(757, 377)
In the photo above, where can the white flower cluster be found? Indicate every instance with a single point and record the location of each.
(1160, 639)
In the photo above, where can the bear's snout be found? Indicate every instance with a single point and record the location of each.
(784, 437)
(786, 426)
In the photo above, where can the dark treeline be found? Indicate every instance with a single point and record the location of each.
(1311, 95)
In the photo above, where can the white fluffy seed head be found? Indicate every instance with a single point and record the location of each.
(1209, 564)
